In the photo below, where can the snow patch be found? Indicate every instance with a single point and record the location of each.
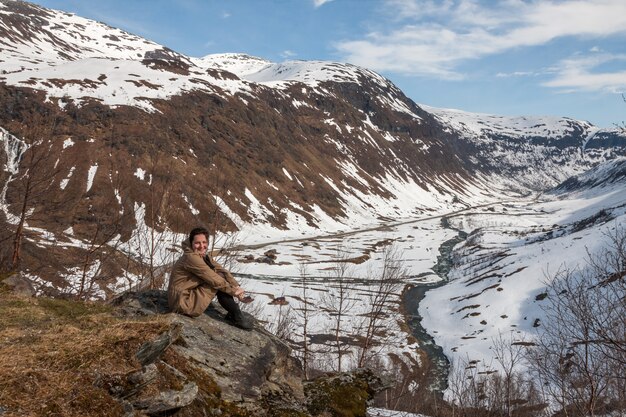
(90, 176)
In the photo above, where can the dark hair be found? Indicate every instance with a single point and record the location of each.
(198, 231)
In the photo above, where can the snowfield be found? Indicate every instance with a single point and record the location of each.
(499, 272)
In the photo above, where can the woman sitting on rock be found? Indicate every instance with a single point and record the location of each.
(196, 279)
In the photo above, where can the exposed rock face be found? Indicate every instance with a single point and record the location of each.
(249, 367)
(18, 284)
(222, 370)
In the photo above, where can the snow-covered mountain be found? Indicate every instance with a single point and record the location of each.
(125, 140)
(113, 146)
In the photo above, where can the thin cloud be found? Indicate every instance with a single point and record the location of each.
(320, 3)
(516, 74)
(580, 73)
(433, 38)
(287, 54)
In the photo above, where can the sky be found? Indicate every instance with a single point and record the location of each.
(509, 57)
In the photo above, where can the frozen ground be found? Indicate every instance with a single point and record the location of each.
(512, 250)
(416, 243)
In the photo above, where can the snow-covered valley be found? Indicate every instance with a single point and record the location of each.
(512, 251)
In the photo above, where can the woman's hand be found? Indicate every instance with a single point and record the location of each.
(239, 292)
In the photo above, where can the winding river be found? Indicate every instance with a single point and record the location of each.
(411, 298)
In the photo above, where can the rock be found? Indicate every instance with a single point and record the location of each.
(250, 369)
(265, 260)
(279, 301)
(204, 363)
(20, 285)
(144, 376)
(151, 351)
(168, 400)
(345, 394)
(141, 303)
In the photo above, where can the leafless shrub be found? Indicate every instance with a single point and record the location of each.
(581, 353)
(337, 303)
(284, 324)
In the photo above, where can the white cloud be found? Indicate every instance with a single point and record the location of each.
(515, 74)
(320, 3)
(580, 73)
(433, 37)
(286, 54)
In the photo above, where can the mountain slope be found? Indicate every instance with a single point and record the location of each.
(497, 285)
(115, 145)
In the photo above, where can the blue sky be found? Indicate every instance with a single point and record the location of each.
(510, 57)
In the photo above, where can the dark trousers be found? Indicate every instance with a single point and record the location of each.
(228, 302)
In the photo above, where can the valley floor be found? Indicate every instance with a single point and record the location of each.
(498, 273)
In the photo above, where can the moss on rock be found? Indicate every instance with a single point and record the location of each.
(341, 395)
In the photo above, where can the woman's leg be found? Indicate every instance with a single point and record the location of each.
(228, 302)
(234, 312)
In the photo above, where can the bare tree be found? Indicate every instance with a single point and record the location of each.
(284, 324)
(466, 387)
(151, 243)
(387, 283)
(37, 175)
(509, 354)
(305, 314)
(337, 303)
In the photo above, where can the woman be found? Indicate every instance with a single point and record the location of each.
(196, 279)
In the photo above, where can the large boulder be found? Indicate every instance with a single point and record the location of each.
(204, 366)
(19, 284)
(250, 370)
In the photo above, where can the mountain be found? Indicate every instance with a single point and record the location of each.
(113, 146)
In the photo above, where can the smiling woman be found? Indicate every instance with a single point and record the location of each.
(196, 279)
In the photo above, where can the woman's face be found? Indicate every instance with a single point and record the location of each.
(200, 244)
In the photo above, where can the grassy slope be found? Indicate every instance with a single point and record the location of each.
(60, 357)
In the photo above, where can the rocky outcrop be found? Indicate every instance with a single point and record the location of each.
(205, 366)
(19, 284)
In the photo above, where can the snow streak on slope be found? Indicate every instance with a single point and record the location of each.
(13, 149)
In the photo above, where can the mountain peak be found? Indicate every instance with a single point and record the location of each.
(238, 64)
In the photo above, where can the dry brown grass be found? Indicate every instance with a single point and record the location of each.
(60, 357)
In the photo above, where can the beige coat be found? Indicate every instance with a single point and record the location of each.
(195, 281)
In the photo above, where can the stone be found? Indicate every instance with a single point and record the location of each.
(19, 284)
(168, 400)
(248, 366)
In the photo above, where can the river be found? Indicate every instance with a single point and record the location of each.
(411, 298)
